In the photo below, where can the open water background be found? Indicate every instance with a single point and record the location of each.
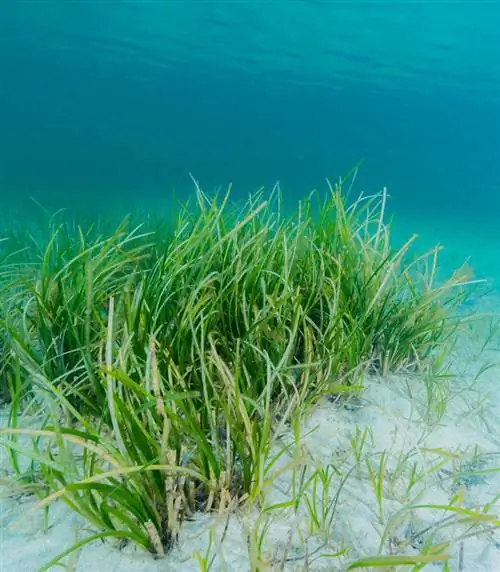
(106, 106)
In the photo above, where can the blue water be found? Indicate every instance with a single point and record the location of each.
(109, 105)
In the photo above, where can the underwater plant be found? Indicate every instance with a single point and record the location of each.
(165, 369)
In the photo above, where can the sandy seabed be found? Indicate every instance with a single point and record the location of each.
(393, 409)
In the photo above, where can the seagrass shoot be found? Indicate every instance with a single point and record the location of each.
(164, 364)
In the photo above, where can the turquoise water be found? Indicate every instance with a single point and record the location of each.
(107, 106)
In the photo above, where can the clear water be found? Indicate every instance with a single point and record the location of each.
(107, 106)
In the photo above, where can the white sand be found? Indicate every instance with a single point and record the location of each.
(398, 425)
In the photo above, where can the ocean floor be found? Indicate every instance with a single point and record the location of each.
(385, 464)
(410, 455)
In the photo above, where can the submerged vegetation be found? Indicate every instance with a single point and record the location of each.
(165, 366)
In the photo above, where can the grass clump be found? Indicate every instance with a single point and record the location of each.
(165, 368)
